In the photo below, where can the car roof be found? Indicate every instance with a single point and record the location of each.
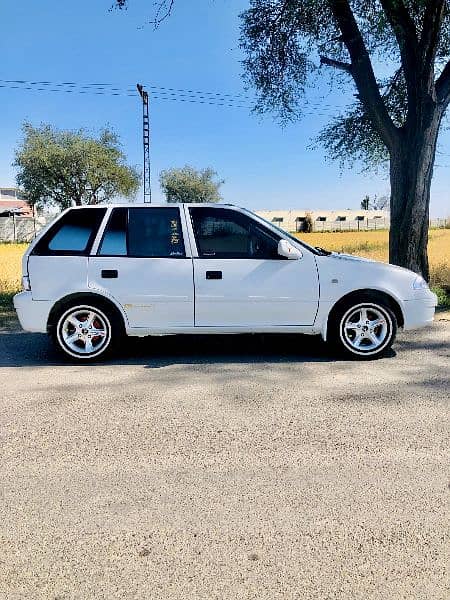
(156, 205)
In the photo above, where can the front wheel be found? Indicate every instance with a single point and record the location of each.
(84, 332)
(363, 329)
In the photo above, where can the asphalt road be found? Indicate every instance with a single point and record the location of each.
(224, 468)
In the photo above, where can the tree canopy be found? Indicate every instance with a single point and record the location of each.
(62, 168)
(287, 42)
(375, 203)
(187, 184)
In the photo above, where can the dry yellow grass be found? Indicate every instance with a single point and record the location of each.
(370, 244)
(11, 267)
(374, 244)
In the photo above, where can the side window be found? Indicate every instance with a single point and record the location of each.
(114, 242)
(155, 233)
(73, 234)
(143, 233)
(224, 233)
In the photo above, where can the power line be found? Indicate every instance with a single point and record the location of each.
(113, 90)
(157, 92)
(96, 92)
(237, 96)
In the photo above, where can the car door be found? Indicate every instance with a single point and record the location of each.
(142, 262)
(241, 281)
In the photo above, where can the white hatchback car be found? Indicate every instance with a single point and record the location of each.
(97, 273)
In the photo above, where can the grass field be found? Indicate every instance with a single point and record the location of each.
(10, 271)
(370, 244)
(375, 244)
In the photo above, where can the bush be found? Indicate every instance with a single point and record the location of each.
(440, 275)
(308, 223)
(443, 297)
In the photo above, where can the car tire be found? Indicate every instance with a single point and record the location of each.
(86, 331)
(362, 328)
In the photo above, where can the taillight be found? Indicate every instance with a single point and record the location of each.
(26, 286)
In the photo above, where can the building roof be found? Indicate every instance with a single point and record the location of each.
(15, 205)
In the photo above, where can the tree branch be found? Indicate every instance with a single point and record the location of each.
(363, 74)
(163, 11)
(337, 64)
(405, 33)
(402, 24)
(429, 40)
(443, 86)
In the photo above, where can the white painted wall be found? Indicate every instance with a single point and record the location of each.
(335, 220)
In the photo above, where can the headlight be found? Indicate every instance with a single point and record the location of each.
(419, 283)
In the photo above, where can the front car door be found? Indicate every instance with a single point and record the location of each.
(241, 281)
(142, 262)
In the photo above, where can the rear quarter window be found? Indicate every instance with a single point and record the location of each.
(72, 234)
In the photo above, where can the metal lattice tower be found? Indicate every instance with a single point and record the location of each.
(146, 142)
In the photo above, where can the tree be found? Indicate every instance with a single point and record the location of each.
(189, 185)
(365, 203)
(397, 118)
(308, 223)
(63, 168)
(381, 203)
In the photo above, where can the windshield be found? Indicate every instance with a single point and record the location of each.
(292, 237)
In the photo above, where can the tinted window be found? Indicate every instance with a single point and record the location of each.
(144, 232)
(114, 241)
(224, 233)
(155, 232)
(72, 234)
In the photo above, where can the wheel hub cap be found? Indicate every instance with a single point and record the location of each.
(84, 331)
(365, 328)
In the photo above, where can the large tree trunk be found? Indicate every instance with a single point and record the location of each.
(411, 170)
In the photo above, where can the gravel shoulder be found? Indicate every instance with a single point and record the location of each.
(234, 467)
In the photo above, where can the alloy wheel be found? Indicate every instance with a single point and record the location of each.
(366, 329)
(84, 331)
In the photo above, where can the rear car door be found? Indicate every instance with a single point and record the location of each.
(142, 262)
(241, 281)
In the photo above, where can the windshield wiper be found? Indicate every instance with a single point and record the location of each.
(322, 251)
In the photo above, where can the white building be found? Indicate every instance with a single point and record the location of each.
(327, 220)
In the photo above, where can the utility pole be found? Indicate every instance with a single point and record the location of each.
(146, 142)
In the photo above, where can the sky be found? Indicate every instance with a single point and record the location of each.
(264, 165)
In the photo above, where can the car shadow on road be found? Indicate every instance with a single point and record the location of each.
(20, 349)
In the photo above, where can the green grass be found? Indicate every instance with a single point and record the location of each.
(6, 300)
(443, 298)
(7, 312)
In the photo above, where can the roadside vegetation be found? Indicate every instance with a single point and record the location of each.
(58, 167)
(10, 277)
(369, 244)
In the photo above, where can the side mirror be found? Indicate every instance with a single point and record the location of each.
(287, 250)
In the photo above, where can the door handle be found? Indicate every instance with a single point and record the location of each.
(109, 273)
(213, 274)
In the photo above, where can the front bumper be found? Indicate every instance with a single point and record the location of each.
(419, 312)
(33, 314)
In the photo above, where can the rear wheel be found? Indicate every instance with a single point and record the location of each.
(84, 331)
(364, 329)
